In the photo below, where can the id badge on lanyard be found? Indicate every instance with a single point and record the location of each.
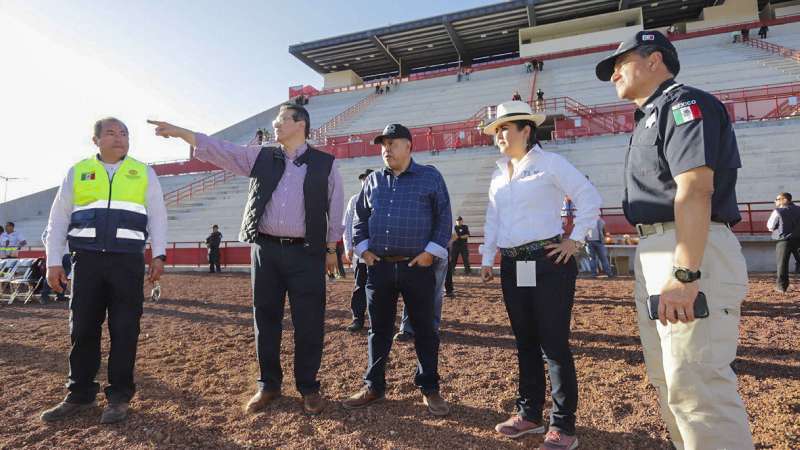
(526, 273)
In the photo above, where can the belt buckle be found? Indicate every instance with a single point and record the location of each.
(285, 241)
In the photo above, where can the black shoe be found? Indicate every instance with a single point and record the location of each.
(356, 325)
(450, 294)
(114, 412)
(403, 337)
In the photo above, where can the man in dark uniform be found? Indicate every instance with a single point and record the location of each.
(212, 242)
(460, 246)
(680, 180)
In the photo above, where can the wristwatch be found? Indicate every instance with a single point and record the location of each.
(330, 251)
(163, 258)
(685, 275)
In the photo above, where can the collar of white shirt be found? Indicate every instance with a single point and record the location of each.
(529, 158)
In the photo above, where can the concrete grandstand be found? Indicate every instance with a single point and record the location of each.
(760, 83)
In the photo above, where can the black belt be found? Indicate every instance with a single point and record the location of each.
(535, 249)
(395, 259)
(283, 240)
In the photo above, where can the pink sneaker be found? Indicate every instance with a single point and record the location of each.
(556, 440)
(516, 426)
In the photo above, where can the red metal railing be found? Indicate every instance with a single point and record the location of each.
(788, 53)
(194, 253)
(318, 135)
(174, 198)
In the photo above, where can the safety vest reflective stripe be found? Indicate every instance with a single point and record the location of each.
(124, 233)
(114, 204)
(83, 232)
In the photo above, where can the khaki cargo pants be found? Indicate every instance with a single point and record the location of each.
(689, 364)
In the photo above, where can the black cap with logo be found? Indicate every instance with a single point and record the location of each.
(392, 131)
(605, 68)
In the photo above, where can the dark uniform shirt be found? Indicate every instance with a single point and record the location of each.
(462, 231)
(678, 129)
(213, 240)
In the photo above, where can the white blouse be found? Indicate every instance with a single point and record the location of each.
(527, 207)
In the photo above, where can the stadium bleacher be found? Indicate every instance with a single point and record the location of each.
(766, 146)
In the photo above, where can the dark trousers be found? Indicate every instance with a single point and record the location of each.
(358, 300)
(66, 263)
(448, 279)
(540, 318)
(213, 260)
(104, 283)
(783, 251)
(385, 280)
(278, 269)
(339, 260)
(460, 248)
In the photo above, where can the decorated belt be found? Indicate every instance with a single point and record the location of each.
(533, 249)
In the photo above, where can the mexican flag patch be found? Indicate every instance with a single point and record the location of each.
(686, 112)
(86, 176)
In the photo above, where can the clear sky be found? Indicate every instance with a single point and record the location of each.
(201, 64)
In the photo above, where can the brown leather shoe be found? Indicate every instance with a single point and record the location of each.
(313, 404)
(261, 400)
(436, 404)
(362, 398)
(65, 410)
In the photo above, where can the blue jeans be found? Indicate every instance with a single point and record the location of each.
(540, 319)
(440, 269)
(597, 249)
(385, 282)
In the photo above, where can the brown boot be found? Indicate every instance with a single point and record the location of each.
(260, 401)
(436, 404)
(65, 410)
(362, 398)
(313, 403)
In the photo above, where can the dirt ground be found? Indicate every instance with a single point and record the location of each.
(197, 366)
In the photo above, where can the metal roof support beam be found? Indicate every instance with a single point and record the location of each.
(385, 50)
(531, 15)
(463, 54)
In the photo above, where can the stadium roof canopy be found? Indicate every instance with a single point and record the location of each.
(472, 35)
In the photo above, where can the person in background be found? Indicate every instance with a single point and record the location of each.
(461, 246)
(11, 241)
(213, 242)
(784, 222)
(358, 298)
(597, 248)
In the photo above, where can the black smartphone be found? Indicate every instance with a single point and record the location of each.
(700, 306)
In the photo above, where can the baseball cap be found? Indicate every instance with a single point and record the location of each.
(393, 131)
(605, 68)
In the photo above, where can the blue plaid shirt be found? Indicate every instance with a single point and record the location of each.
(403, 215)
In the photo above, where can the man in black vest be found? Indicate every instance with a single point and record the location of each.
(784, 222)
(212, 242)
(293, 219)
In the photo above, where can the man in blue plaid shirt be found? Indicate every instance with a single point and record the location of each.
(402, 222)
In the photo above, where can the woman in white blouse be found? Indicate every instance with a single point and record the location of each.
(538, 268)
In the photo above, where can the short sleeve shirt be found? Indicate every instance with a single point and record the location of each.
(678, 129)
